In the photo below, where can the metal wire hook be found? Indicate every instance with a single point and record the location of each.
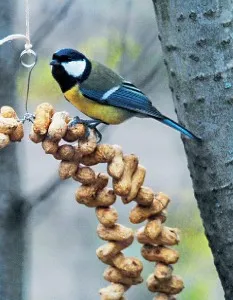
(28, 59)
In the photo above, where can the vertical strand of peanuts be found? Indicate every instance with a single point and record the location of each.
(128, 177)
(50, 128)
(122, 271)
(154, 235)
(156, 239)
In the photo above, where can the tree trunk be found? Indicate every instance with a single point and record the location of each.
(11, 212)
(196, 38)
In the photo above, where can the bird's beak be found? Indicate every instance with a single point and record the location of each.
(54, 63)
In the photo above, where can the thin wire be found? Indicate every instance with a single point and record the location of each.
(14, 37)
(28, 45)
(28, 89)
(27, 19)
(28, 51)
(26, 37)
(27, 16)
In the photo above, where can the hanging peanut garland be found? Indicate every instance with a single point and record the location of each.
(49, 128)
(77, 156)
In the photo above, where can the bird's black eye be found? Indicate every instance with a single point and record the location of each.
(55, 57)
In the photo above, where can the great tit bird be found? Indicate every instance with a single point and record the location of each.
(101, 94)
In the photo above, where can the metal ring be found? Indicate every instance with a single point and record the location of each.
(26, 56)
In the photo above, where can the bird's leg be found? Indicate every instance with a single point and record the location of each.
(90, 124)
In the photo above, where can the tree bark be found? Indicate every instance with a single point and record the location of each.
(196, 38)
(11, 205)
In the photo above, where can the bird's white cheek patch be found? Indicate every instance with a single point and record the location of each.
(75, 68)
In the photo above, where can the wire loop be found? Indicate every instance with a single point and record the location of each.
(28, 58)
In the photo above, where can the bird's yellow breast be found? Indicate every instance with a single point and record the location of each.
(93, 109)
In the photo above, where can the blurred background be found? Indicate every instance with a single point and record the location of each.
(61, 235)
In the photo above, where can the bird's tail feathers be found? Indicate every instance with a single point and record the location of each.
(178, 127)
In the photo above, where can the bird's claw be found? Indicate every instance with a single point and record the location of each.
(89, 124)
(76, 120)
(98, 134)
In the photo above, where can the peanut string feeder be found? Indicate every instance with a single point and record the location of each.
(78, 154)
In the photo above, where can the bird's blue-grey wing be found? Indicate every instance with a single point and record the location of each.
(125, 96)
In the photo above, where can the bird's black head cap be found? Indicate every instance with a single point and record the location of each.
(67, 54)
(70, 67)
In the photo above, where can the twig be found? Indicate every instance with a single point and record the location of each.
(141, 58)
(125, 27)
(51, 23)
(46, 191)
(146, 80)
